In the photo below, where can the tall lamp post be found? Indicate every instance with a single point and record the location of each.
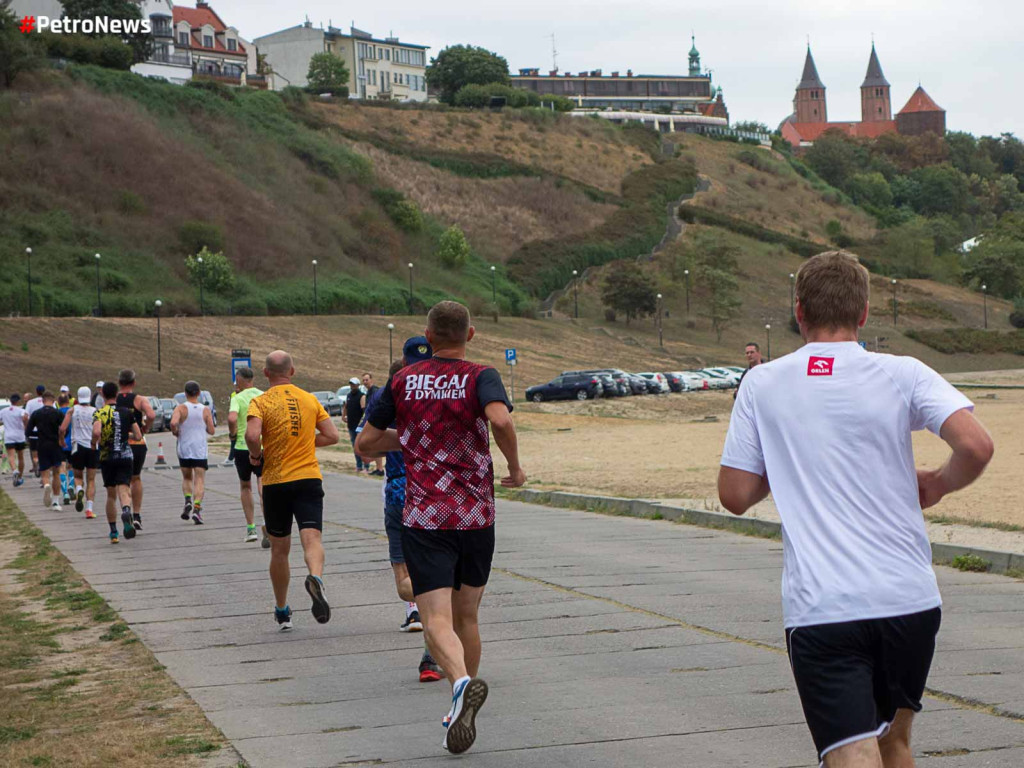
(99, 295)
(792, 295)
(686, 276)
(28, 255)
(661, 342)
(202, 274)
(768, 339)
(316, 303)
(894, 311)
(410, 287)
(575, 295)
(157, 304)
(984, 303)
(494, 285)
(391, 350)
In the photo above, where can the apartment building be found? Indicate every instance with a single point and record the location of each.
(380, 69)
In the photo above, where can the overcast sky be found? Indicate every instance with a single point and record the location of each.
(969, 56)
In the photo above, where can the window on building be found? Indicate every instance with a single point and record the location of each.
(232, 44)
(208, 41)
(183, 38)
(387, 54)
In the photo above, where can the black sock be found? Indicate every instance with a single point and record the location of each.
(113, 527)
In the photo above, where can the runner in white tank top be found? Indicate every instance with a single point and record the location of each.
(84, 460)
(191, 424)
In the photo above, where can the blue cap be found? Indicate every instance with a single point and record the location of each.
(416, 350)
(40, 389)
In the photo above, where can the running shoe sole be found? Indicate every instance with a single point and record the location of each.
(429, 675)
(321, 610)
(197, 518)
(249, 537)
(187, 512)
(129, 527)
(79, 503)
(462, 729)
(47, 496)
(265, 543)
(412, 626)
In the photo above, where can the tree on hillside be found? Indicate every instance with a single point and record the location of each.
(752, 126)
(16, 51)
(453, 248)
(214, 270)
(328, 74)
(141, 43)
(459, 65)
(716, 275)
(628, 289)
(833, 157)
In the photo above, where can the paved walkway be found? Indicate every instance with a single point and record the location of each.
(608, 642)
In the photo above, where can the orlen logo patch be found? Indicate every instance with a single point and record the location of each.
(820, 366)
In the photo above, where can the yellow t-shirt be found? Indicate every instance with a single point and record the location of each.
(290, 416)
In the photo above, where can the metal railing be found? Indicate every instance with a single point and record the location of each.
(178, 59)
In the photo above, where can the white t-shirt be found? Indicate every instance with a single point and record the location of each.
(831, 426)
(14, 427)
(31, 407)
(81, 425)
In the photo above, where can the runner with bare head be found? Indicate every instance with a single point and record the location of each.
(285, 425)
(192, 423)
(143, 415)
(442, 408)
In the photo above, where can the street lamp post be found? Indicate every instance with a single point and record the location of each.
(661, 342)
(575, 295)
(202, 271)
(686, 276)
(99, 295)
(157, 305)
(28, 254)
(984, 303)
(316, 303)
(894, 311)
(391, 351)
(494, 285)
(768, 339)
(792, 295)
(410, 287)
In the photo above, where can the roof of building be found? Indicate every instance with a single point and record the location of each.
(874, 76)
(920, 102)
(812, 131)
(810, 78)
(693, 48)
(199, 17)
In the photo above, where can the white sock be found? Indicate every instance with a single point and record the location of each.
(88, 505)
(409, 608)
(78, 489)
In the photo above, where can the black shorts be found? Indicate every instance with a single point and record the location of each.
(33, 442)
(50, 456)
(116, 472)
(138, 458)
(244, 469)
(14, 446)
(85, 458)
(854, 675)
(194, 463)
(302, 500)
(440, 559)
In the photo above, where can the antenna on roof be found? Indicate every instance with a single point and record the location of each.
(554, 53)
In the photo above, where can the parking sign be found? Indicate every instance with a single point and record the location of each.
(510, 356)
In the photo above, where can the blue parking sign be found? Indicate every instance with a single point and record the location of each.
(510, 356)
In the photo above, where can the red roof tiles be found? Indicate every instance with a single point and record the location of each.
(199, 17)
(920, 102)
(812, 131)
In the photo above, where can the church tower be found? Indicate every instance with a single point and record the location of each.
(874, 93)
(694, 58)
(809, 102)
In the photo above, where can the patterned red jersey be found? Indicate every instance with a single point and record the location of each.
(438, 407)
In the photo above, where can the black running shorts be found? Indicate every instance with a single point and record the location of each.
(50, 457)
(301, 500)
(138, 459)
(447, 559)
(15, 446)
(116, 472)
(194, 463)
(33, 442)
(853, 676)
(85, 458)
(244, 468)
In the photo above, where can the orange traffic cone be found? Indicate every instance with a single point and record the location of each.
(160, 460)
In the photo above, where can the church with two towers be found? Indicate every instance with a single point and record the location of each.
(810, 109)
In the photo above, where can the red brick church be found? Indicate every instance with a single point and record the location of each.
(810, 112)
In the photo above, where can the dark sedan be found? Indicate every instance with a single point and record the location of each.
(567, 387)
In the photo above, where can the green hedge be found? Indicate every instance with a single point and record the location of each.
(951, 341)
(695, 214)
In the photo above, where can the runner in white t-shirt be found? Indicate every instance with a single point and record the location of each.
(14, 420)
(827, 430)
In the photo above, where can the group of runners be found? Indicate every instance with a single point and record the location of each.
(860, 601)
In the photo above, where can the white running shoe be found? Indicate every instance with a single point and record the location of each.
(466, 702)
(47, 496)
(56, 505)
(251, 535)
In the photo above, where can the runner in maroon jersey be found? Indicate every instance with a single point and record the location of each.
(442, 408)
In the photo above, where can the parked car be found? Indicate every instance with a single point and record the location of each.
(567, 387)
(205, 398)
(330, 402)
(732, 375)
(342, 393)
(619, 378)
(160, 423)
(638, 383)
(610, 386)
(675, 382)
(717, 380)
(167, 406)
(694, 380)
(657, 385)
